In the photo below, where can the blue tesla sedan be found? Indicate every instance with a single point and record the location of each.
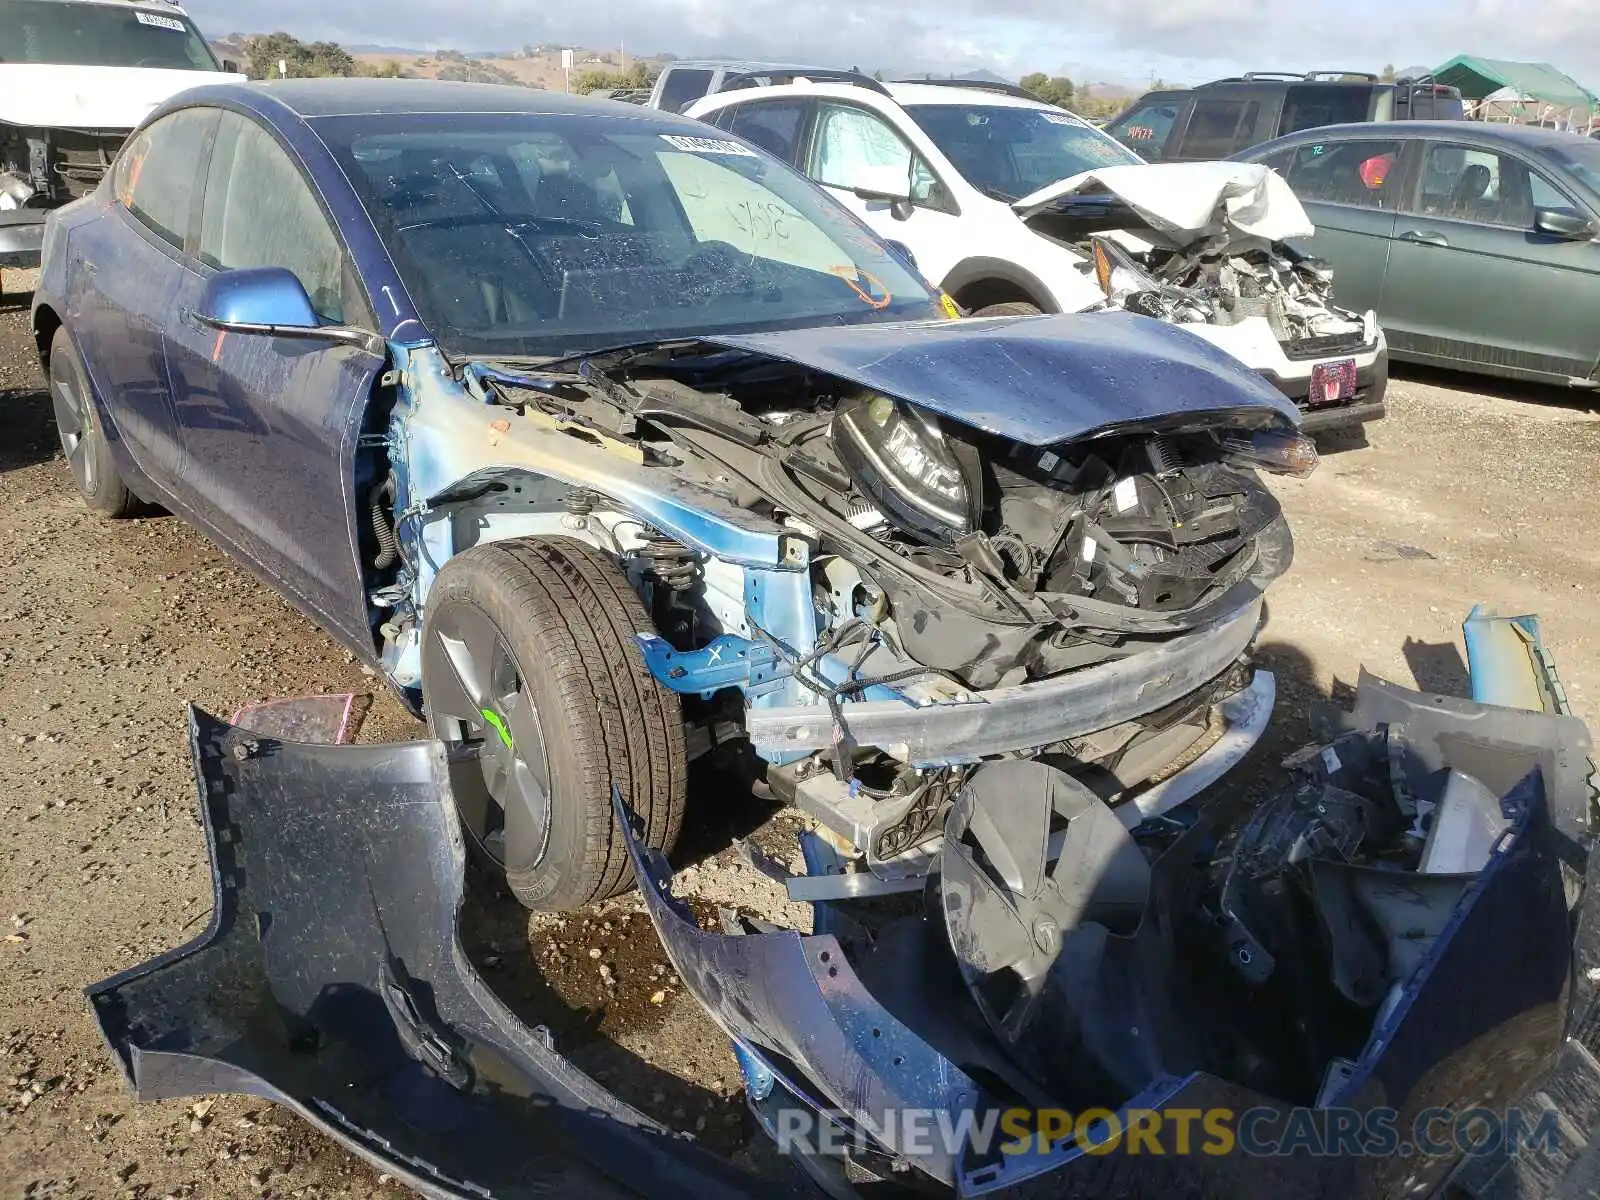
(612, 441)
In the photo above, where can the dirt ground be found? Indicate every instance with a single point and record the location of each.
(1469, 491)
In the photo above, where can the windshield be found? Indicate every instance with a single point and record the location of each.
(100, 35)
(1009, 153)
(1581, 160)
(552, 235)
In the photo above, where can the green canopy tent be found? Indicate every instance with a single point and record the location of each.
(1543, 85)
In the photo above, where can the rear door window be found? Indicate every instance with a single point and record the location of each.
(775, 126)
(1146, 128)
(682, 85)
(1312, 105)
(1219, 127)
(1363, 173)
(156, 172)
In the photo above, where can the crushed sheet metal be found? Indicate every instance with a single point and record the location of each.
(1026, 715)
(332, 981)
(1189, 201)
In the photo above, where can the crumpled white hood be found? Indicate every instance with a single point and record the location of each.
(43, 95)
(1192, 201)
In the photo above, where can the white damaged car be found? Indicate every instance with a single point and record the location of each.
(1015, 206)
(76, 76)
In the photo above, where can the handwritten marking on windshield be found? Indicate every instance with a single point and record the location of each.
(763, 222)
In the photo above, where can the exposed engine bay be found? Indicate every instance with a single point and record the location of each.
(1005, 584)
(46, 168)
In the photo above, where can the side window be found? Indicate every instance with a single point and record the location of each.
(1363, 174)
(1146, 129)
(1545, 195)
(1219, 127)
(683, 85)
(1462, 184)
(156, 171)
(1312, 105)
(260, 212)
(854, 148)
(774, 126)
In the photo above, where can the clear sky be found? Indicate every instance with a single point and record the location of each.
(1121, 40)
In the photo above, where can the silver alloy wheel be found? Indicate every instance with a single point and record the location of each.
(74, 422)
(476, 694)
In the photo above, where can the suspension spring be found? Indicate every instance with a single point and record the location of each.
(669, 559)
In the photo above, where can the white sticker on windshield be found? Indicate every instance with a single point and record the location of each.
(1126, 494)
(159, 22)
(1059, 118)
(703, 145)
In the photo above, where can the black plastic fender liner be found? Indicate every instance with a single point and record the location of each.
(331, 980)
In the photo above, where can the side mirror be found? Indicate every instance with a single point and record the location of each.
(1562, 223)
(231, 67)
(886, 184)
(272, 301)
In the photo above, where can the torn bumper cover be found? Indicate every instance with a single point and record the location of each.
(331, 980)
(1446, 986)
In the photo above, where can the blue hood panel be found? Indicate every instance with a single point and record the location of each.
(1040, 380)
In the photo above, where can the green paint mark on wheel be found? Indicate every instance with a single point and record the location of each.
(499, 724)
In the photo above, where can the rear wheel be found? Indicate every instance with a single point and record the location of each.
(528, 651)
(1011, 308)
(83, 438)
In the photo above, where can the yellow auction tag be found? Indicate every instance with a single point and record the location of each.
(949, 306)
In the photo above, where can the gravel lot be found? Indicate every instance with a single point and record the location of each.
(1470, 491)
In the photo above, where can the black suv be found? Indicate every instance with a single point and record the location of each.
(1217, 119)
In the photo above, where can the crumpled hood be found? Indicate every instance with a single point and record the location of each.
(1191, 201)
(1039, 380)
(58, 97)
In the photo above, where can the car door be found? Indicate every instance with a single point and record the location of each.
(125, 271)
(850, 147)
(1224, 124)
(1472, 283)
(1351, 190)
(270, 425)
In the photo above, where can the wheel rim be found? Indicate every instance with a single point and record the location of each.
(477, 695)
(74, 422)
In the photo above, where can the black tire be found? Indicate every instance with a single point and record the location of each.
(540, 632)
(1011, 308)
(83, 437)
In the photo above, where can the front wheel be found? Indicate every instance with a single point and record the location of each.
(1011, 308)
(528, 652)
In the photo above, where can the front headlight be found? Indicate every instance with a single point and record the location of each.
(899, 458)
(1117, 272)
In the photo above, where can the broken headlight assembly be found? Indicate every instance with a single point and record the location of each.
(901, 461)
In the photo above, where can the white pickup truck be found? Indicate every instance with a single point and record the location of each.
(76, 76)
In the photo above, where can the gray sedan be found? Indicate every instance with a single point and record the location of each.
(1476, 244)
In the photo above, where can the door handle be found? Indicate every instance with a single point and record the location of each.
(1424, 239)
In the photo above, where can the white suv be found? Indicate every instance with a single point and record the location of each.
(1014, 206)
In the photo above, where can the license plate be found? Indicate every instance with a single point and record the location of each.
(1332, 382)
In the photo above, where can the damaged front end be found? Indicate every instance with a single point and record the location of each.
(1209, 246)
(1402, 930)
(885, 554)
